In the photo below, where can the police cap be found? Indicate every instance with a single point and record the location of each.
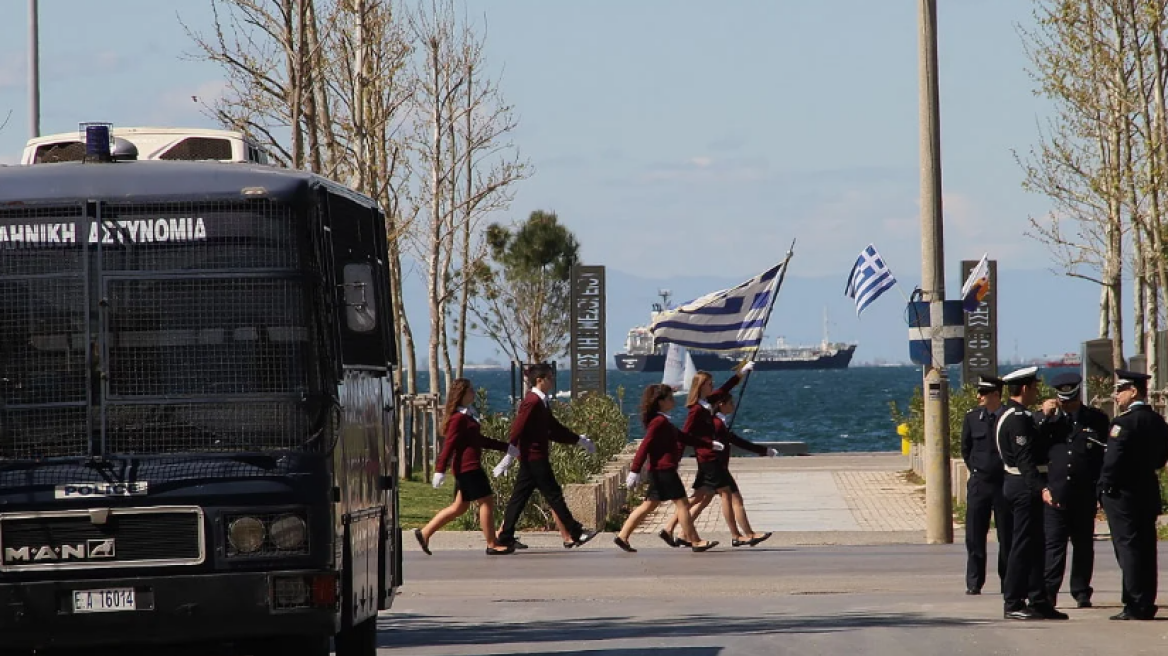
(1067, 385)
(1023, 376)
(1125, 379)
(988, 384)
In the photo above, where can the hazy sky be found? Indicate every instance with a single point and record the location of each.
(674, 137)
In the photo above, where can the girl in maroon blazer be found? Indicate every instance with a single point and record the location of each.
(462, 450)
(660, 448)
(700, 423)
(733, 507)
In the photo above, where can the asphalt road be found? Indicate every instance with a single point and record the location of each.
(598, 601)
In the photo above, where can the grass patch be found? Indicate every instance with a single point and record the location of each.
(958, 512)
(911, 477)
(419, 501)
(1162, 532)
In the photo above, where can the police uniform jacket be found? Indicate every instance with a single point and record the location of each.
(1137, 446)
(1077, 440)
(1022, 446)
(977, 443)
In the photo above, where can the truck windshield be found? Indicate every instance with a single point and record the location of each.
(160, 329)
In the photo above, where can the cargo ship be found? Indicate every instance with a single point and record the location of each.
(640, 354)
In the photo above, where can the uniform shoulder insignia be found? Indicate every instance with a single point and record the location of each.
(1116, 430)
(1027, 413)
(1021, 440)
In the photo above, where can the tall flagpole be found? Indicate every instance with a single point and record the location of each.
(34, 73)
(770, 306)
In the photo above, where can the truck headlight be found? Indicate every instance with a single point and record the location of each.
(288, 533)
(246, 534)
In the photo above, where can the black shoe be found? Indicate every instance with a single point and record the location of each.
(583, 538)
(1083, 603)
(569, 545)
(623, 545)
(740, 543)
(710, 544)
(509, 549)
(422, 541)
(1128, 614)
(512, 543)
(667, 537)
(762, 538)
(1023, 614)
(972, 591)
(681, 542)
(1050, 612)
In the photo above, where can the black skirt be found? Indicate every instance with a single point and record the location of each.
(474, 485)
(665, 486)
(715, 476)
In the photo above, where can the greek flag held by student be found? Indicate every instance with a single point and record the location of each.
(869, 279)
(726, 320)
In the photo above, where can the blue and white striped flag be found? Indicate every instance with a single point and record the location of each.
(726, 320)
(869, 279)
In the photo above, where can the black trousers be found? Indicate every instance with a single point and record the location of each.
(1074, 521)
(1133, 533)
(533, 475)
(984, 496)
(1025, 565)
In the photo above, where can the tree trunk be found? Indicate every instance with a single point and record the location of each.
(436, 222)
(464, 293)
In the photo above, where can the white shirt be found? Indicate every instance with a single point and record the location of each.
(543, 397)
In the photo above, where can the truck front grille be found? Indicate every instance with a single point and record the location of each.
(84, 539)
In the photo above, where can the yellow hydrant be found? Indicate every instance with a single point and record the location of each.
(905, 446)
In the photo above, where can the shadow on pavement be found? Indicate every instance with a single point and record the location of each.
(405, 630)
(626, 651)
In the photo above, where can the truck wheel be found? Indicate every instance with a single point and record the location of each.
(294, 646)
(359, 640)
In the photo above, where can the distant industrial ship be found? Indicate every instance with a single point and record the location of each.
(641, 354)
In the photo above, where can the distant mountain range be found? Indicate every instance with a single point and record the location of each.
(1040, 313)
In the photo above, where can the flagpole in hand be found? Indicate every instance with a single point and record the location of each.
(765, 321)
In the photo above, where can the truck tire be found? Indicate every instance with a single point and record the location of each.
(359, 640)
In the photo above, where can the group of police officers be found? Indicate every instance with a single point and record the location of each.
(1043, 474)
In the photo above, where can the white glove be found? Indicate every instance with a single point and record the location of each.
(503, 465)
(747, 368)
(587, 444)
(512, 451)
(774, 453)
(438, 478)
(632, 479)
(718, 446)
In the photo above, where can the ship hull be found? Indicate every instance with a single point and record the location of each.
(715, 362)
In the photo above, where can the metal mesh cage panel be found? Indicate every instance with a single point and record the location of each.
(209, 427)
(43, 334)
(206, 336)
(190, 237)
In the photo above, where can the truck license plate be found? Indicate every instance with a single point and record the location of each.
(103, 601)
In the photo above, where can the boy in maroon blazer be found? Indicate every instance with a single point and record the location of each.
(531, 431)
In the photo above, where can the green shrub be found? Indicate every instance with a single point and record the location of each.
(598, 417)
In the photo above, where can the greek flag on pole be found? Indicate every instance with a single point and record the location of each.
(869, 279)
(725, 320)
(977, 285)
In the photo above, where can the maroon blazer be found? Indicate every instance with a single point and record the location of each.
(534, 426)
(662, 444)
(723, 434)
(462, 447)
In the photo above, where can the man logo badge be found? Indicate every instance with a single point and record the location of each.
(101, 549)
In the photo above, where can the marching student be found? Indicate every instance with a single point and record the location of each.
(700, 423)
(531, 431)
(462, 450)
(661, 448)
(733, 507)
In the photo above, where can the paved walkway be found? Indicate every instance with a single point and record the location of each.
(815, 494)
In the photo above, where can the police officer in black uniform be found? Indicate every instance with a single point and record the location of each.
(1137, 446)
(1024, 452)
(1077, 435)
(984, 490)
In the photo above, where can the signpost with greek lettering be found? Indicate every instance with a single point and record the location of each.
(587, 331)
(981, 330)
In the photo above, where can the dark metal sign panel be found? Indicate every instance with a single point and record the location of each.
(587, 331)
(981, 330)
